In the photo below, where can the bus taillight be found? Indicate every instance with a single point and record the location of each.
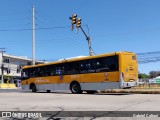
(122, 75)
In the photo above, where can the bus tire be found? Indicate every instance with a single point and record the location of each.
(34, 89)
(75, 88)
(91, 91)
(48, 91)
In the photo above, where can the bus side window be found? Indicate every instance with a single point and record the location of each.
(53, 70)
(48, 70)
(40, 72)
(60, 69)
(87, 66)
(31, 72)
(34, 72)
(106, 64)
(112, 67)
(24, 74)
(98, 66)
(72, 68)
(63, 69)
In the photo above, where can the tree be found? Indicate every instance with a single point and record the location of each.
(153, 74)
(142, 76)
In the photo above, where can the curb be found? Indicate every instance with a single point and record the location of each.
(132, 91)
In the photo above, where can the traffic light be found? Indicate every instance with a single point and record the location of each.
(74, 17)
(78, 23)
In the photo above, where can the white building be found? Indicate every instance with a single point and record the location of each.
(12, 65)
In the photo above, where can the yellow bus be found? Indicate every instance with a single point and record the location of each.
(90, 73)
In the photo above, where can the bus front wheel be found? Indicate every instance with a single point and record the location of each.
(76, 88)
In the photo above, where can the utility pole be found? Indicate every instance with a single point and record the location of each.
(2, 66)
(33, 35)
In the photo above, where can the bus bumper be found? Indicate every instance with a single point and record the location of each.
(128, 84)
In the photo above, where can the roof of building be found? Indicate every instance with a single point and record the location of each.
(24, 58)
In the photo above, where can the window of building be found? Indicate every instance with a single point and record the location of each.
(6, 60)
(19, 68)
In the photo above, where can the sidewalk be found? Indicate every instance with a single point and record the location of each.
(8, 86)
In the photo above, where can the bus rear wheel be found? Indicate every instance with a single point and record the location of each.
(48, 91)
(34, 89)
(76, 88)
(91, 91)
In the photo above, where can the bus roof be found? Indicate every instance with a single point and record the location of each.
(78, 58)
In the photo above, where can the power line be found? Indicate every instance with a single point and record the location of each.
(145, 53)
(148, 57)
(14, 13)
(52, 21)
(26, 29)
(17, 25)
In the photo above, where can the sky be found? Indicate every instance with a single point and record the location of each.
(114, 25)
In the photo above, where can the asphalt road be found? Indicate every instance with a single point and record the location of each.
(17, 100)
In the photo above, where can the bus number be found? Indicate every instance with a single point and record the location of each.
(74, 76)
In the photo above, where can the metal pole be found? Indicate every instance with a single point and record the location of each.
(84, 32)
(90, 48)
(91, 53)
(33, 35)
